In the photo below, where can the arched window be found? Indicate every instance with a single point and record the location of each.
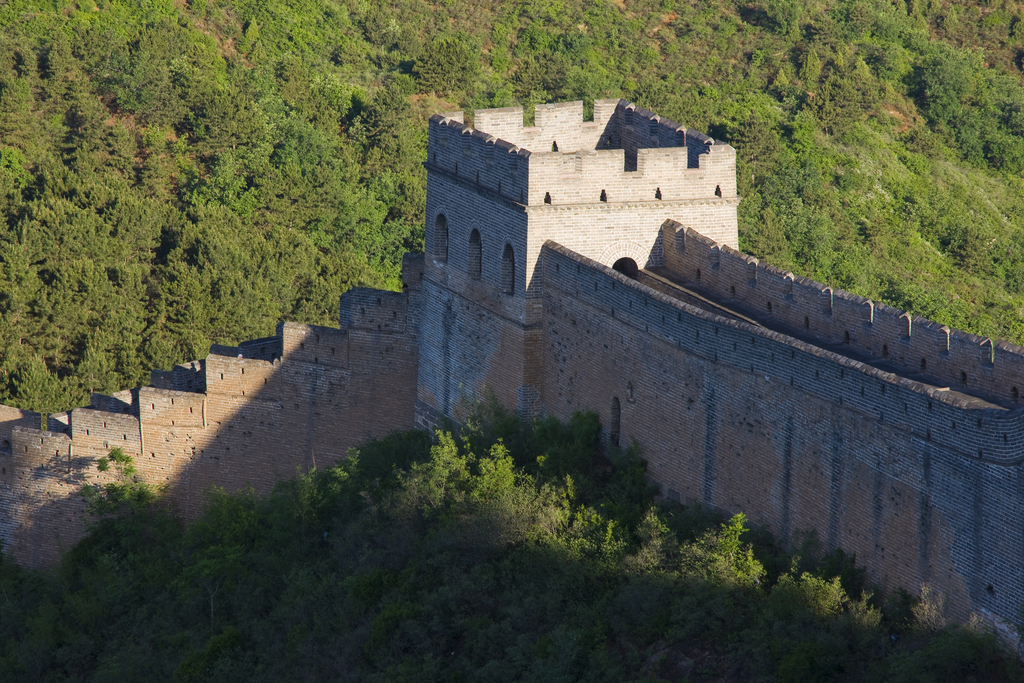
(627, 267)
(441, 237)
(474, 254)
(616, 421)
(508, 270)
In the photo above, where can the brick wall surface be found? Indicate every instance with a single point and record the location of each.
(912, 343)
(745, 419)
(299, 399)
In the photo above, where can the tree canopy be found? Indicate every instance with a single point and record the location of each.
(506, 552)
(176, 174)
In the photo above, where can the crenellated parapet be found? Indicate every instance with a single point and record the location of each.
(909, 343)
(659, 175)
(626, 154)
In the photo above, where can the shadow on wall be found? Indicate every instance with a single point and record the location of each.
(315, 393)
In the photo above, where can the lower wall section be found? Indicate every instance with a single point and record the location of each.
(740, 439)
(471, 347)
(258, 422)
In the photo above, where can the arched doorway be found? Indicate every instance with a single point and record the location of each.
(627, 267)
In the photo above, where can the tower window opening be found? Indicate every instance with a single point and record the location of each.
(769, 306)
(627, 267)
(1014, 393)
(441, 237)
(657, 193)
(846, 337)
(963, 378)
(698, 274)
(616, 421)
(885, 351)
(554, 146)
(475, 255)
(924, 364)
(547, 197)
(732, 290)
(508, 270)
(807, 323)
(604, 196)
(718, 190)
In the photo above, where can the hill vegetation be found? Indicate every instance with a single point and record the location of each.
(505, 553)
(174, 174)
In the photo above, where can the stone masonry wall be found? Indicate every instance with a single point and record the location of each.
(297, 400)
(910, 342)
(745, 419)
(472, 332)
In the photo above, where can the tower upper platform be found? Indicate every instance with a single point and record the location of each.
(625, 155)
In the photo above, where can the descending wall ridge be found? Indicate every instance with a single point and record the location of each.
(558, 277)
(913, 344)
(991, 434)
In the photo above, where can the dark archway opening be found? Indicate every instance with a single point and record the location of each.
(508, 270)
(475, 255)
(441, 237)
(627, 267)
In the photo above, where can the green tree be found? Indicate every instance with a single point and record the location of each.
(123, 496)
(446, 67)
(810, 72)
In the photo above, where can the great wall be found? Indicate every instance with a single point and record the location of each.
(593, 265)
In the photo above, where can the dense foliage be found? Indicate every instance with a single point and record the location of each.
(509, 553)
(173, 174)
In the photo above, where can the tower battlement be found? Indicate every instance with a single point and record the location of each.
(625, 154)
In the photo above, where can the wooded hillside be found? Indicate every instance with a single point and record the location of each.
(177, 174)
(510, 552)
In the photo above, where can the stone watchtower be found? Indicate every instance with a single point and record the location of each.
(496, 193)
